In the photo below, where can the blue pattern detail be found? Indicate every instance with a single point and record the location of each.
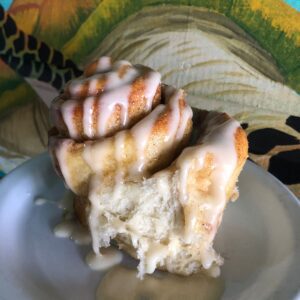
(294, 3)
(6, 3)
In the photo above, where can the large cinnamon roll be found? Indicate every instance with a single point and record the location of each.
(144, 175)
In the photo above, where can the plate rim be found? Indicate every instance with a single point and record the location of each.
(279, 187)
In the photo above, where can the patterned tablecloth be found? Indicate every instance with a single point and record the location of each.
(238, 56)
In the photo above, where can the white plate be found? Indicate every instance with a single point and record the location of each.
(259, 238)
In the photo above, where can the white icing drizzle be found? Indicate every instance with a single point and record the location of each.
(66, 202)
(97, 217)
(70, 228)
(174, 119)
(152, 81)
(154, 256)
(121, 63)
(61, 152)
(140, 133)
(67, 110)
(115, 90)
(107, 104)
(214, 271)
(118, 184)
(177, 123)
(120, 145)
(118, 92)
(75, 86)
(104, 64)
(186, 115)
(179, 117)
(113, 79)
(108, 258)
(40, 201)
(156, 253)
(93, 83)
(220, 143)
(96, 211)
(92, 152)
(64, 229)
(119, 152)
(88, 106)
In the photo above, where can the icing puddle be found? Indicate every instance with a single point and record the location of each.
(70, 228)
(40, 201)
(159, 285)
(109, 257)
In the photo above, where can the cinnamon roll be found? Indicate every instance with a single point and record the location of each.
(149, 172)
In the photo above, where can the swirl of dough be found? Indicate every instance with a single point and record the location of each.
(149, 140)
(107, 98)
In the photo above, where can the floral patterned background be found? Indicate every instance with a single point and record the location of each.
(239, 56)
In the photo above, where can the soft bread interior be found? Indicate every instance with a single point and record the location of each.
(147, 219)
